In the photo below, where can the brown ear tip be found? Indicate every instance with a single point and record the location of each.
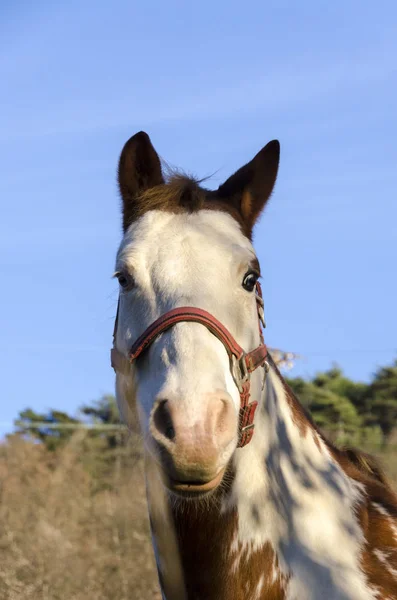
(141, 135)
(138, 139)
(270, 152)
(274, 145)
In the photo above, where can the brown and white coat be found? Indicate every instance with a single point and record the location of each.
(289, 516)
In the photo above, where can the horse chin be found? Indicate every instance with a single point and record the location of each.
(193, 489)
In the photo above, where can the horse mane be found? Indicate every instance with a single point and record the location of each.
(367, 464)
(180, 193)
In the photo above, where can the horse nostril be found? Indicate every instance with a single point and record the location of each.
(162, 420)
(170, 432)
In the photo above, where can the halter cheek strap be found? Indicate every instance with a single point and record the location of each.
(242, 364)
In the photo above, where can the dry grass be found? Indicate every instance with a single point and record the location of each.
(59, 540)
(64, 538)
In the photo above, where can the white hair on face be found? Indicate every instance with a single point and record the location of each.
(197, 260)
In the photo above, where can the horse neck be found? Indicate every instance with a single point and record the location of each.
(288, 508)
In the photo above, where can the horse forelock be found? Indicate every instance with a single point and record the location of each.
(182, 193)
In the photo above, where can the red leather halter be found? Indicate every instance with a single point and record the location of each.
(242, 364)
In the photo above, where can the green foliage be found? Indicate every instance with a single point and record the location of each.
(105, 412)
(351, 412)
(381, 396)
(331, 410)
(43, 427)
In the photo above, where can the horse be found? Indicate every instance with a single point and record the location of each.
(247, 499)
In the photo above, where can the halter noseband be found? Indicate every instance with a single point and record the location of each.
(242, 364)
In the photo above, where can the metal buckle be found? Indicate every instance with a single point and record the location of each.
(247, 427)
(266, 368)
(239, 371)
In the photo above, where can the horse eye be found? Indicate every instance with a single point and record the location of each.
(123, 280)
(249, 281)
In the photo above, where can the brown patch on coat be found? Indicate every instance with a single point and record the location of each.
(381, 543)
(367, 464)
(215, 566)
(363, 468)
(377, 515)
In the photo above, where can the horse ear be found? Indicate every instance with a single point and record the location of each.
(250, 187)
(139, 170)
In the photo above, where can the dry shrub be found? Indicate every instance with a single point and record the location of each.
(59, 540)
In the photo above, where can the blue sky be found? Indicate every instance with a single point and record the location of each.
(211, 83)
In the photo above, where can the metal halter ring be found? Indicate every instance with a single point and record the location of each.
(239, 371)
